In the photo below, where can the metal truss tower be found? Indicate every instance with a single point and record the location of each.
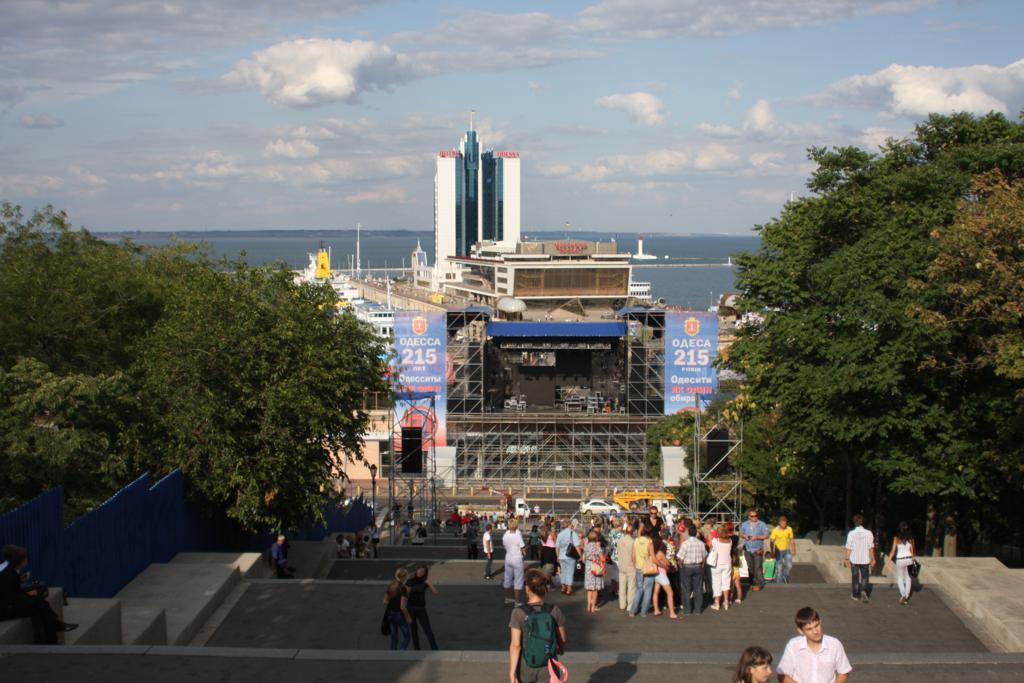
(717, 489)
(412, 495)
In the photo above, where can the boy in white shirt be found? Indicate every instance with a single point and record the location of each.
(860, 558)
(813, 657)
(488, 551)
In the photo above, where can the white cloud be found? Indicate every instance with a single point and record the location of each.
(760, 119)
(24, 185)
(40, 121)
(391, 194)
(535, 87)
(715, 157)
(765, 195)
(619, 187)
(87, 177)
(312, 72)
(643, 107)
(760, 123)
(874, 138)
(915, 91)
(736, 91)
(766, 160)
(718, 130)
(294, 149)
(660, 19)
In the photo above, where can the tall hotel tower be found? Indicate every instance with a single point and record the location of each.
(476, 199)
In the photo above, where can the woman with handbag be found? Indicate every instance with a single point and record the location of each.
(720, 562)
(903, 556)
(594, 568)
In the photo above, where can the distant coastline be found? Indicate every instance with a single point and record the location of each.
(199, 235)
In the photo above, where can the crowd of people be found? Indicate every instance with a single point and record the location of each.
(649, 563)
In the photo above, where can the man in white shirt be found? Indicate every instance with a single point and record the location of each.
(488, 551)
(513, 542)
(860, 558)
(813, 657)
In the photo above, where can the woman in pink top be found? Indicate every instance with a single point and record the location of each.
(721, 570)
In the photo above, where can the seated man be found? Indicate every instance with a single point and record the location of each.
(17, 603)
(279, 559)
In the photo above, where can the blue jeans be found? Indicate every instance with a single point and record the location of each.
(860, 578)
(691, 579)
(396, 620)
(783, 565)
(644, 590)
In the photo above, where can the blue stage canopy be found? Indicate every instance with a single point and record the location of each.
(552, 329)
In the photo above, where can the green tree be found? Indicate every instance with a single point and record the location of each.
(255, 388)
(116, 359)
(63, 430)
(837, 356)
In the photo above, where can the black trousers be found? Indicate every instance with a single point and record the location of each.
(44, 619)
(420, 618)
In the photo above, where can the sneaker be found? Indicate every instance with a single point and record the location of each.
(726, 607)
(738, 602)
(854, 598)
(864, 598)
(716, 607)
(488, 577)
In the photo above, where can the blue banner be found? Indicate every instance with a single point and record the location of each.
(691, 344)
(421, 371)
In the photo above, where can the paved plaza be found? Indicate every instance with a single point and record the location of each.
(329, 630)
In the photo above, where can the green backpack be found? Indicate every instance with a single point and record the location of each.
(540, 637)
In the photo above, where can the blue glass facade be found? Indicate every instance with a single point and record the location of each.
(491, 199)
(466, 208)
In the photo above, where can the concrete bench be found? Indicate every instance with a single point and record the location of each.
(19, 631)
(143, 624)
(98, 619)
(187, 593)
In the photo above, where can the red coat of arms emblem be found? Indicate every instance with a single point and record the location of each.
(692, 327)
(419, 325)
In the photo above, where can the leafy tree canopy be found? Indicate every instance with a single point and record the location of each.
(116, 359)
(851, 370)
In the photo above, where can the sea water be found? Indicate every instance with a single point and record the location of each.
(695, 288)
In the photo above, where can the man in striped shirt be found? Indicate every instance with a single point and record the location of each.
(691, 555)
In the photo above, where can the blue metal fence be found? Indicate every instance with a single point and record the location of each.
(38, 526)
(102, 551)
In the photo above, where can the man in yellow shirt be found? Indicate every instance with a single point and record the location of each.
(785, 549)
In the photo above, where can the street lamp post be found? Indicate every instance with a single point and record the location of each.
(373, 486)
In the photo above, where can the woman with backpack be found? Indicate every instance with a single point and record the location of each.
(396, 599)
(537, 634)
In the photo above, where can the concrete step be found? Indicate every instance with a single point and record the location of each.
(188, 592)
(98, 619)
(143, 624)
(249, 565)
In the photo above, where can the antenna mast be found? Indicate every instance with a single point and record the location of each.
(359, 266)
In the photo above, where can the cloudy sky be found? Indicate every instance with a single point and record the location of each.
(630, 115)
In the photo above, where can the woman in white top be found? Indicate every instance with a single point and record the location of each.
(902, 557)
(721, 570)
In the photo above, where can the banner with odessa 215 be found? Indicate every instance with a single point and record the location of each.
(422, 367)
(691, 344)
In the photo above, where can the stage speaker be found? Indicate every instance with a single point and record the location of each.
(412, 450)
(718, 446)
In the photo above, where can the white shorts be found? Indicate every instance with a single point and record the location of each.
(662, 579)
(513, 576)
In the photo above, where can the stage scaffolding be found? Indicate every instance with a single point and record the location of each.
(717, 489)
(412, 496)
(499, 448)
(645, 362)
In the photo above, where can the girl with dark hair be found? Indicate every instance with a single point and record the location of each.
(755, 666)
(536, 584)
(902, 556)
(418, 586)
